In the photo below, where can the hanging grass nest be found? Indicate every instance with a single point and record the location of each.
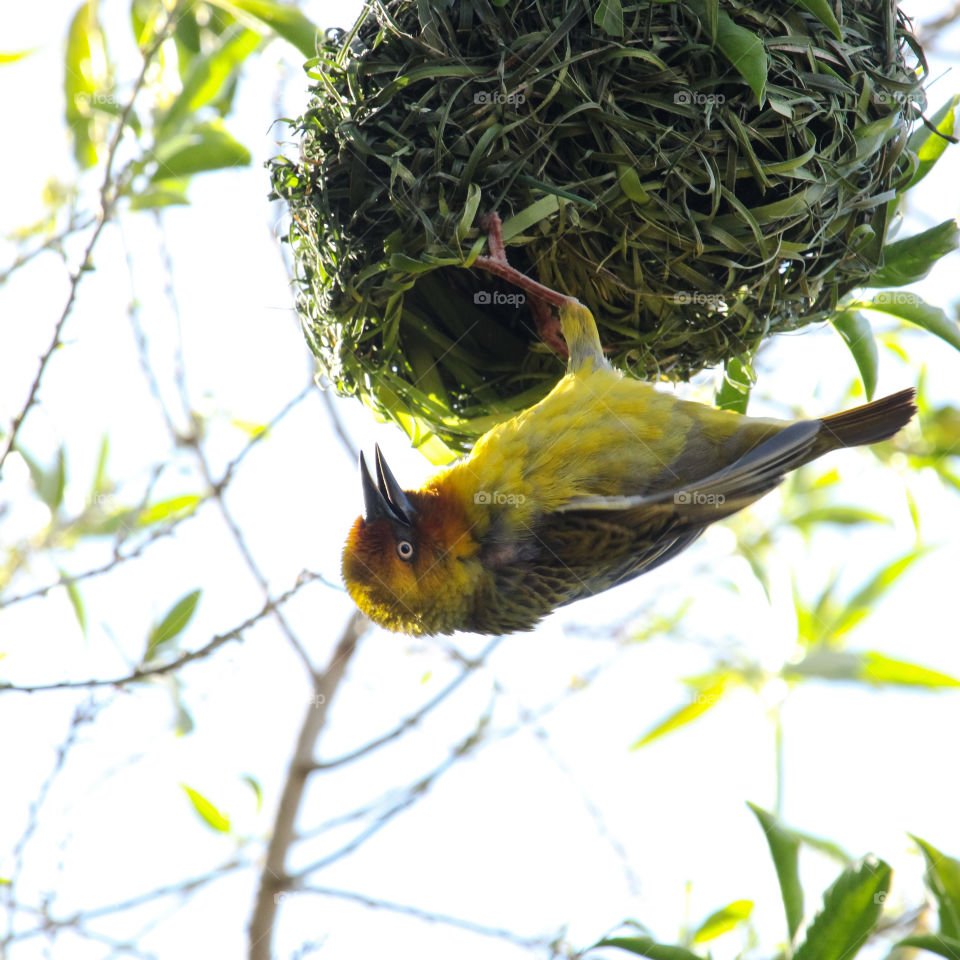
(701, 175)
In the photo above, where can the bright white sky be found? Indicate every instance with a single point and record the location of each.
(507, 839)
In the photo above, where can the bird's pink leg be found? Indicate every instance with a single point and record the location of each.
(541, 297)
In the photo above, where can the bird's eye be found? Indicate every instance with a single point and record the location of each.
(404, 549)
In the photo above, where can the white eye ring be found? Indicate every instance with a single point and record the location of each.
(405, 550)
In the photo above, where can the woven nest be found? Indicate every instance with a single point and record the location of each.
(702, 181)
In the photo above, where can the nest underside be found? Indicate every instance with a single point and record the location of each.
(641, 174)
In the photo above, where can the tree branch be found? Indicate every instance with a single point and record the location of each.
(273, 878)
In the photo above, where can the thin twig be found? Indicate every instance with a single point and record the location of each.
(143, 673)
(273, 878)
(416, 716)
(108, 200)
(499, 933)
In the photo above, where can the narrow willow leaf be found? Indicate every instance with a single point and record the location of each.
(943, 879)
(822, 10)
(254, 784)
(84, 70)
(207, 811)
(935, 943)
(645, 947)
(630, 184)
(101, 483)
(843, 516)
(929, 146)
(75, 598)
(207, 78)
(855, 330)
(746, 53)
(851, 908)
(914, 309)
(911, 259)
(723, 920)
(867, 597)
(734, 392)
(701, 701)
(206, 147)
(785, 850)
(163, 193)
(172, 624)
(14, 56)
(881, 669)
(283, 18)
(174, 508)
(609, 17)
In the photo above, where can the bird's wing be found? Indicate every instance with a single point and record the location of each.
(599, 542)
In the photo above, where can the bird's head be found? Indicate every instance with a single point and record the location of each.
(408, 560)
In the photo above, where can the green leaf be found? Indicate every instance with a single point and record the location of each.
(207, 77)
(284, 19)
(723, 920)
(943, 879)
(163, 193)
(101, 484)
(746, 53)
(630, 185)
(914, 309)
(881, 669)
(911, 259)
(207, 811)
(16, 55)
(851, 908)
(701, 701)
(935, 943)
(844, 516)
(867, 597)
(49, 482)
(84, 74)
(929, 146)
(855, 329)
(254, 784)
(609, 17)
(868, 667)
(645, 947)
(734, 392)
(822, 10)
(172, 624)
(75, 598)
(784, 849)
(174, 508)
(207, 147)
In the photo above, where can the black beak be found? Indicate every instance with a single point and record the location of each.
(385, 499)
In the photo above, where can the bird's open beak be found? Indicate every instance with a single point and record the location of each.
(384, 499)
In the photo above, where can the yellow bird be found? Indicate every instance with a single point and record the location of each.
(602, 480)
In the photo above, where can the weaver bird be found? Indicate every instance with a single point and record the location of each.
(602, 480)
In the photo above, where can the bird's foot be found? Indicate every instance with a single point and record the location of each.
(541, 297)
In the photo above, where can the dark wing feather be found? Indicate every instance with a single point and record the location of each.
(594, 543)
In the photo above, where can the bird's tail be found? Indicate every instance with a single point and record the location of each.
(869, 423)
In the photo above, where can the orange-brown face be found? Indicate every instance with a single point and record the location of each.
(406, 562)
